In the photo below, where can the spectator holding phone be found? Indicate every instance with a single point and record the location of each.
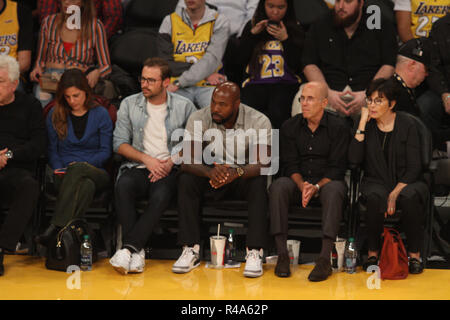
(80, 142)
(271, 47)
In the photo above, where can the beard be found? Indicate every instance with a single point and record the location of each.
(152, 93)
(345, 22)
(222, 119)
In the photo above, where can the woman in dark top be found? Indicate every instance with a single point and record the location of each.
(271, 47)
(387, 143)
(80, 142)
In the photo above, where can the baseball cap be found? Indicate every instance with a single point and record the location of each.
(418, 49)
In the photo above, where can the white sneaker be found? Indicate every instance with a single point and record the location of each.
(137, 263)
(253, 265)
(121, 261)
(188, 260)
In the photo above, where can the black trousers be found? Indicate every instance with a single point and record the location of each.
(191, 191)
(24, 193)
(274, 100)
(133, 185)
(284, 192)
(412, 218)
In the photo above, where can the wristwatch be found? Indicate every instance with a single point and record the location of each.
(176, 83)
(360, 132)
(240, 171)
(317, 186)
(9, 154)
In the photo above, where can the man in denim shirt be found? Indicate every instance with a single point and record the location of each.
(145, 124)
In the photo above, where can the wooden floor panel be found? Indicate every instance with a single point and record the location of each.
(27, 278)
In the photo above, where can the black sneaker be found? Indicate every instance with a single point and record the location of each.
(371, 261)
(321, 271)
(415, 266)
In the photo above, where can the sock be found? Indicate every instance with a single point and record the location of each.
(281, 244)
(327, 247)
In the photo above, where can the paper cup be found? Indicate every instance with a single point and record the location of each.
(294, 250)
(340, 248)
(217, 244)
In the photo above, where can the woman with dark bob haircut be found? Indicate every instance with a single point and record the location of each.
(387, 143)
(271, 47)
(80, 142)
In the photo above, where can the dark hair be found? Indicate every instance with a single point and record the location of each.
(161, 63)
(293, 27)
(70, 78)
(386, 87)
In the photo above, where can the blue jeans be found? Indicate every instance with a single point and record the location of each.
(134, 185)
(435, 118)
(43, 96)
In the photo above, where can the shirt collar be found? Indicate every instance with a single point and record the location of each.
(323, 122)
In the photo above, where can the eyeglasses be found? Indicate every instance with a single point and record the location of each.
(376, 101)
(306, 99)
(148, 80)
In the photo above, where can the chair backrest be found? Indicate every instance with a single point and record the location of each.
(308, 11)
(131, 48)
(148, 13)
(425, 141)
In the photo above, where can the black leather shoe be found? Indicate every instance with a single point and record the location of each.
(2, 268)
(282, 269)
(415, 266)
(321, 271)
(50, 233)
(371, 261)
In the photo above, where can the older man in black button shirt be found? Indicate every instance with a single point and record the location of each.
(313, 156)
(22, 141)
(343, 52)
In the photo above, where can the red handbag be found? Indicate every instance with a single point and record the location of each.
(393, 261)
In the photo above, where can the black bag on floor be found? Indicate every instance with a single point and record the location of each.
(64, 250)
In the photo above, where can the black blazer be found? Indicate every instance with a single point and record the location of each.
(404, 154)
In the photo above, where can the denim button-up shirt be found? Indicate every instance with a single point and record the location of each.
(132, 118)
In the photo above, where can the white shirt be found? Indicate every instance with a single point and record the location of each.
(238, 12)
(155, 134)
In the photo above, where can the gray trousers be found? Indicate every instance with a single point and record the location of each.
(284, 193)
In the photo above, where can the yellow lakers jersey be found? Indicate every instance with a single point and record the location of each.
(9, 30)
(424, 13)
(190, 45)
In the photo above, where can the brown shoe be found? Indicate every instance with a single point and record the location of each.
(321, 271)
(282, 269)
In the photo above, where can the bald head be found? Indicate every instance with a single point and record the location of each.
(320, 88)
(229, 89)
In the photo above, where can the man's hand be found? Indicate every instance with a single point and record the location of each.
(357, 103)
(216, 79)
(309, 190)
(336, 102)
(158, 168)
(167, 167)
(172, 88)
(3, 158)
(223, 175)
(36, 73)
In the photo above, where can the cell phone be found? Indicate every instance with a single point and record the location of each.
(273, 23)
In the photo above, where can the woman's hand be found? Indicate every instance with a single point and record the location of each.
(365, 117)
(279, 32)
(391, 202)
(259, 27)
(36, 73)
(93, 77)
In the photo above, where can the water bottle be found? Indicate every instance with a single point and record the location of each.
(350, 256)
(230, 252)
(86, 254)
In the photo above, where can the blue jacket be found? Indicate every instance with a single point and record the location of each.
(95, 147)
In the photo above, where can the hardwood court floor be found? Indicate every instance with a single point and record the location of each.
(27, 278)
